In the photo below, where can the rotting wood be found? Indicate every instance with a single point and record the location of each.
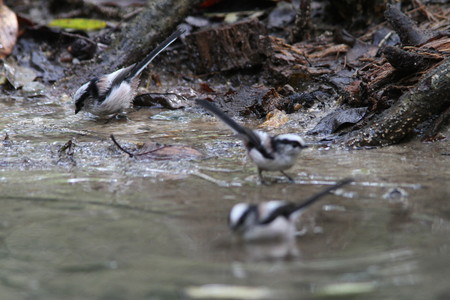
(408, 32)
(428, 97)
(302, 26)
(406, 61)
(229, 47)
(286, 62)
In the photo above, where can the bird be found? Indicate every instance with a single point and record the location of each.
(272, 220)
(113, 93)
(269, 153)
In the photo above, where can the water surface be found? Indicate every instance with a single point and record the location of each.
(100, 225)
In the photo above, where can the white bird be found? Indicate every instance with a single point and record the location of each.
(272, 220)
(269, 153)
(113, 93)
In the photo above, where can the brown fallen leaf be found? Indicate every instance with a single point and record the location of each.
(205, 88)
(152, 150)
(8, 30)
(275, 119)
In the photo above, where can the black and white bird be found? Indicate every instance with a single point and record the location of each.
(272, 220)
(113, 93)
(269, 153)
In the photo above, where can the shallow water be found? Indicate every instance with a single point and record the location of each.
(102, 225)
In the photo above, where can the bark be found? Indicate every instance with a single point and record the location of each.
(428, 97)
(405, 61)
(229, 47)
(151, 26)
(408, 32)
(301, 30)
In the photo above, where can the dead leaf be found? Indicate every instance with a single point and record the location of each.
(156, 151)
(168, 152)
(275, 119)
(205, 88)
(78, 24)
(208, 3)
(360, 49)
(282, 15)
(331, 122)
(8, 30)
(17, 75)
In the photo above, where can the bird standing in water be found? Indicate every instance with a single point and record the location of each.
(272, 220)
(269, 153)
(113, 93)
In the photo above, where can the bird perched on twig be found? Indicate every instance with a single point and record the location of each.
(272, 220)
(269, 153)
(113, 93)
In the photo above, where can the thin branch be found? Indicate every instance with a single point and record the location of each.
(120, 147)
(133, 154)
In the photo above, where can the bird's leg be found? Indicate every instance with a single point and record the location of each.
(287, 176)
(121, 117)
(261, 178)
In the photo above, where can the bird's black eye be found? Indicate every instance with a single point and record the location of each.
(300, 145)
(294, 144)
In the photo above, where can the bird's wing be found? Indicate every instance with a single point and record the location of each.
(281, 211)
(108, 82)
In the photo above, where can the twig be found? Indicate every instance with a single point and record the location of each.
(132, 154)
(120, 147)
(78, 36)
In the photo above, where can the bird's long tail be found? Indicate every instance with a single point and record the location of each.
(250, 138)
(139, 67)
(238, 129)
(319, 195)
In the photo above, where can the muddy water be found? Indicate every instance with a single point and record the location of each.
(100, 225)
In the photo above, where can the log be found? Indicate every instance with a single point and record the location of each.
(428, 97)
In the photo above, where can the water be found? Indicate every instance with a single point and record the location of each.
(102, 225)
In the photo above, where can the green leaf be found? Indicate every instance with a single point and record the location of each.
(78, 23)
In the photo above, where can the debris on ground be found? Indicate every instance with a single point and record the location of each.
(368, 64)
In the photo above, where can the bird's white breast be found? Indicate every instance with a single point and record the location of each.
(278, 163)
